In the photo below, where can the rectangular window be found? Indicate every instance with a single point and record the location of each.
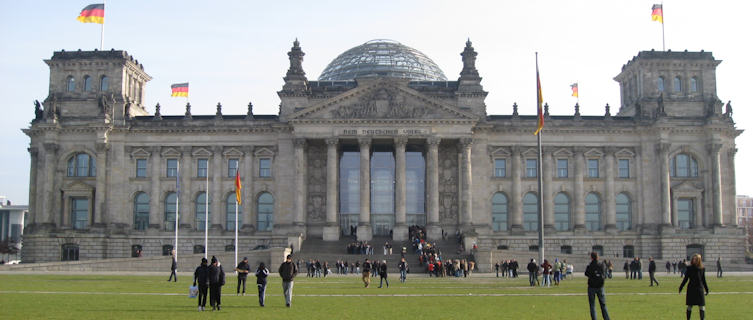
(561, 168)
(593, 168)
(500, 168)
(531, 168)
(172, 167)
(201, 167)
(141, 168)
(623, 167)
(265, 167)
(79, 213)
(232, 167)
(684, 213)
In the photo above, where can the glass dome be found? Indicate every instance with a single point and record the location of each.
(382, 58)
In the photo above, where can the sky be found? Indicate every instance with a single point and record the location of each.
(235, 52)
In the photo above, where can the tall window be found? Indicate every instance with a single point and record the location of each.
(499, 212)
(685, 213)
(201, 210)
(230, 204)
(350, 181)
(265, 209)
(660, 84)
(693, 84)
(79, 213)
(500, 168)
(561, 168)
(382, 180)
(141, 168)
(624, 212)
(104, 84)
(531, 168)
(172, 167)
(677, 84)
(530, 212)
(232, 167)
(415, 184)
(265, 167)
(562, 212)
(141, 211)
(201, 167)
(628, 252)
(171, 201)
(684, 166)
(71, 83)
(593, 212)
(69, 252)
(87, 83)
(593, 168)
(82, 165)
(623, 168)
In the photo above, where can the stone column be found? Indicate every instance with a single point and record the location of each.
(547, 196)
(101, 215)
(666, 213)
(46, 212)
(34, 157)
(579, 197)
(516, 219)
(331, 229)
(364, 219)
(611, 209)
(299, 218)
(716, 184)
(156, 215)
(247, 178)
(187, 214)
(400, 230)
(433, 229)
(466, 185)
(217, 210)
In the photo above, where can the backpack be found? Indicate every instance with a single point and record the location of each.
(596, 280)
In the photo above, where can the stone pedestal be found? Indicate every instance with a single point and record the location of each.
(364, 232)
(400, 233)
(331, 233)
(517, 230)
(611, 229)
(433, 232)
(666, 229)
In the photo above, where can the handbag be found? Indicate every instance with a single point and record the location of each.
(193, 291)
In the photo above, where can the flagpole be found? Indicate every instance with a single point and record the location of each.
(206, 214)
(177, 213)
(102, 33)
(663, 47)
(236, 234)
(540, 173)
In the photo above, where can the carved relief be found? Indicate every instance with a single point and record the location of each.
(317, 182)
(448, 184)
(384, 103)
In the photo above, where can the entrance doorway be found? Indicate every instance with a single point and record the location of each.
(381, 224)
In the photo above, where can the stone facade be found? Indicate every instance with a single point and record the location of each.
(656, 179)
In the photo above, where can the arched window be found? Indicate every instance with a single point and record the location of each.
(69, 252)
(79, 213)
(530, 212)
(104, 83)
(167, 249)
(201, 210)
(70, 83)
(499, 212)
(141, 211)
(693, 84)
(624, 212)
(87, 83)
(562, 212)
(230, 213)
(265, 209)
(81, 165)
(628, 252)
(593, 212)
(683, 166)
(171, 201)
(677, 84)
(660, 84)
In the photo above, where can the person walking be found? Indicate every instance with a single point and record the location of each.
(366, 272)
(719, 267)
(403, 267)
(383, 274)
(533, 277)
(173, 267)
(201, 277)
(288, 271)
(652, 271)
(668, 266)
(695, 276)
(626, 268)
(243, 269)
(596, 273)
(261, 281)
(216, 281)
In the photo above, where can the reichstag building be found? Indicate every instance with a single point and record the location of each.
(380, 142)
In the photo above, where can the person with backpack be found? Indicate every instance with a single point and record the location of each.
(201, 277)
(216, 281)
(596, 273)
(261, 281)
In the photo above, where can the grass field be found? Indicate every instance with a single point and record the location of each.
(24, 296)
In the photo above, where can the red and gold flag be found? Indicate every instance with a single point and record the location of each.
(657, 14)
(539, 101)
(574, 87)
(93, 13)
(179, 90)
(238, 186)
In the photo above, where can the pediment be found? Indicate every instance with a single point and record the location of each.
(687, 187)
(140, 153)
(382, 99)
(625, 153)
(594, 153)
(499, 152)
(232, 152)
(201, 152)
(264, 152)
(530, 152)
(170, 152)
(78, 186)
(563, 152)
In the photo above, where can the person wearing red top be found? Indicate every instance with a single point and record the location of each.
(547, 272)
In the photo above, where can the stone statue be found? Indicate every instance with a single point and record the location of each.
(660, 109)
(104, 104)
(728, 108)
(38, 113)
(188, 109)
(51, 107)
(219, 109)
(127, 111)
(514, 109)
(250, 113)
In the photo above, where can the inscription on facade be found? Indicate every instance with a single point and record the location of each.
(382, 132)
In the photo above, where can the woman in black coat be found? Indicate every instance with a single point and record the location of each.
(695, 273)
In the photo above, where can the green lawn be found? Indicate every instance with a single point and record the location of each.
(478, 297)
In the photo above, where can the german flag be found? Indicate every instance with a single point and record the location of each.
(179, 90)
(238, 186)
(657, 14)
(539, 101)
(93, 13)
(574, 87)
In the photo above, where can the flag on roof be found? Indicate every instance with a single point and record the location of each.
(657, 14)
(539, 101)
(93, 13)
(238, 186)
(574, 87)
(179, 90)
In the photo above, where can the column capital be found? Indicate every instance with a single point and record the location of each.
(102, 146)
(247, 150)
(33, 151)
(332, 141)
(51, 147)
(364, 141)
(714, 148)
(299, 142)
(466, 142)
(186, 150)
(663, 147)
(610, 151)
(579, 150)
(217, 150)
(433, 141)
(515, 150)
(401, 141)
